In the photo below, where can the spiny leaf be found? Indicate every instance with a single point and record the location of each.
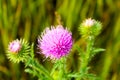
(98, 50)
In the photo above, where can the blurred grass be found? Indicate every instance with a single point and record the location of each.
(27, 19)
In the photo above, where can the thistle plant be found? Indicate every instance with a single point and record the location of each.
(56, 43)
(89, 29)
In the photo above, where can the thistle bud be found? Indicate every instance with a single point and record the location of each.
(90, 27)
(18, 50)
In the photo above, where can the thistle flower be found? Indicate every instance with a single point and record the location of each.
(18, 50)
(55, 42)
(90, 27)
(15, 46)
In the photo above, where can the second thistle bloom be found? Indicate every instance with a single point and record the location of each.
(55, 42)
(90, 27)
(18, 50)
(15, 46)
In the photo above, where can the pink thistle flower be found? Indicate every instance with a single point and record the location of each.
(55, 42)
(15, 46)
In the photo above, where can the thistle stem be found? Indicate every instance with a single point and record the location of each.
(39, 68)
(62, 69)
(86, 59)
(60, 66)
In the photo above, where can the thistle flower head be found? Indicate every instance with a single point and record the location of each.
(18, 50)
(55, 42)
(15, 46)
(90, 27)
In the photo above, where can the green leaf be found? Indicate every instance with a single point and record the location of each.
(34, 73)
(92, 77)
(95, 51)
(28, 70)
(98, 50)
(32, 50)
(74, 75)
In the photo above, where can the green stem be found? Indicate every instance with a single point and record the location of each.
(38, 68)
(60, 66)
(86, 59)
(90, 44)
(62, 69)
(41, 69)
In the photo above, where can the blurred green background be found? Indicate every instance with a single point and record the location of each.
(28, 18)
